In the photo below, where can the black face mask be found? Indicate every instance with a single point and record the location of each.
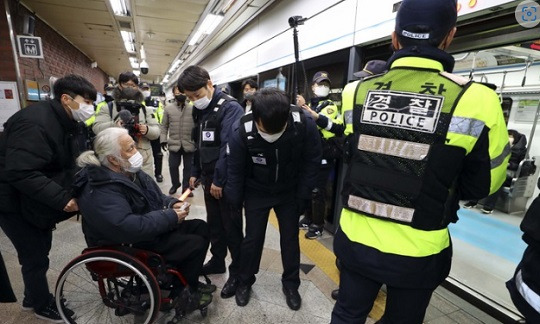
(180, 98)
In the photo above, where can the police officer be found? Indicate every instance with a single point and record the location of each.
(275, 153)
(313, 219)
(157, 107)
(423, 139)
(214, 115)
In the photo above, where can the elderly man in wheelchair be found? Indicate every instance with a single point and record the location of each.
(143, 255)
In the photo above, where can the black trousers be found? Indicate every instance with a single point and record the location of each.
(184, 248)
(175, 158)
(158, 156)
(409, 284)
(33, 246)
(225, 224)
(317, 209)
(257, 211)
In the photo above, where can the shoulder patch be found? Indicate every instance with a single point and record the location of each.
(456, 78)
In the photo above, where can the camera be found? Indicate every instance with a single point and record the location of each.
(128, 113)
(144, 67)
(294, 21)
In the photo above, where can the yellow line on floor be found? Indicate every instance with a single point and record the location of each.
(325, 259)
(314, 250)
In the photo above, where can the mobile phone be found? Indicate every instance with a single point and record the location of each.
(184, 206)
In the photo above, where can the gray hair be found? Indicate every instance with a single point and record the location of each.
(105, 144)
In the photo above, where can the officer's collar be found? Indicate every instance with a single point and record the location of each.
(434, 58)
(315, 101)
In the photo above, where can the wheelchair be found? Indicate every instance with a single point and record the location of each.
(122, 284)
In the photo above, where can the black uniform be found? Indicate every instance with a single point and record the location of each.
(212, 130)
(524, 287)
(272, 175)
(37, 164)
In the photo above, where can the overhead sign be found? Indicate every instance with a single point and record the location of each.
(30, 46)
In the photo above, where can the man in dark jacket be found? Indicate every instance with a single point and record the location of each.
(214, 116)
(524, 287)
(122, 204)
(518, 150)
(275, 153)
(37, 164)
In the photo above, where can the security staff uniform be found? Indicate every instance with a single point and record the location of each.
(157, 107)
(212, 130)
(422, 140)
(330, 152)
(275, 175)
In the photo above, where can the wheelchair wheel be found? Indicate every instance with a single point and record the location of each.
(107, 286)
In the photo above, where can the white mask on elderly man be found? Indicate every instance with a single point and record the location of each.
(511, 140)
(135, 163)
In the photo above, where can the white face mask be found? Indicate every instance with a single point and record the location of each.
(136, 163)
(109, 93)
(84, 112)
(271, 138)
(146, 93)
(321, 91)
(202, 103)
(511, 140)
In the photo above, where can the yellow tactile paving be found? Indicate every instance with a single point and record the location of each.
(325, 260)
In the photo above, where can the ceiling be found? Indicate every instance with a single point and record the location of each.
(163, 26)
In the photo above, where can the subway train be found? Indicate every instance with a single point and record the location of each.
(280, 43)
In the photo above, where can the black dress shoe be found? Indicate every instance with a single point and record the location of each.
(213, 267)
(294, 301)
(230, 287)
(335, 294)
(173, 190)
(159, 178)
(243, 293)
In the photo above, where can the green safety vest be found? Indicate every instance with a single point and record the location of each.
(406, 124)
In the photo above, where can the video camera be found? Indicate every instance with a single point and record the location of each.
(128, 113)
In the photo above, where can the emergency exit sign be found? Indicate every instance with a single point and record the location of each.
(30, 46)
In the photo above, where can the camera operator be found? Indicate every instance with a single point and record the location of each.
(128, 110)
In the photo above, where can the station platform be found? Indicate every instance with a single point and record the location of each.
(319, 276)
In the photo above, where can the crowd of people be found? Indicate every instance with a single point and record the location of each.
(399, 130)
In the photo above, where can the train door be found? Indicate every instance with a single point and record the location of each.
(487, 243)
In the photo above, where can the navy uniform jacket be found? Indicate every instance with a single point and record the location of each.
(308, 166)
(232, 112)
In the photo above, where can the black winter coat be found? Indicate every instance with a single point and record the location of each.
(37, 163)
(116, 210)
(518, 150)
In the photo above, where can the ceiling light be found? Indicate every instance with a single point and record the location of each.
(130, 47)
(195, 38)
(143, 53)
(210, 23)
(174, 66)
(120, 7)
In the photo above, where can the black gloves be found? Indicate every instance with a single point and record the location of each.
(164, 146)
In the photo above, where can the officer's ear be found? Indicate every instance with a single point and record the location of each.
(395, 42)
(448, 39)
